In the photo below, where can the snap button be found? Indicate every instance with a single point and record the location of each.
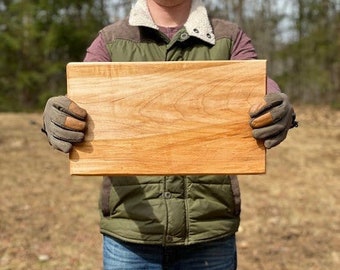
(167, 195)
(196, 31)
(208, 35)
(184, 36)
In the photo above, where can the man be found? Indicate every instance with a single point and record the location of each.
(170, 222)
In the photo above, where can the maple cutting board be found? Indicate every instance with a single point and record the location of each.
(161, 118)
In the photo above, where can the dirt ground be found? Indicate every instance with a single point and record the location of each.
(290, 215)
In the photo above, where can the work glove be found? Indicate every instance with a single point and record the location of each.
(272, 118)
(64, 123)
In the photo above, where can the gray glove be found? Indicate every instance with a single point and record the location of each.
(272, 118)
(64, 123)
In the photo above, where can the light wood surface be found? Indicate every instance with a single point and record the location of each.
(160, 118)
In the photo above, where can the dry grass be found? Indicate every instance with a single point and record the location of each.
(290, 215)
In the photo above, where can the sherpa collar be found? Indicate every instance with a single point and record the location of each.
(197, 25)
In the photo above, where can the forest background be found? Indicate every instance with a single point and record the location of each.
(299, 38)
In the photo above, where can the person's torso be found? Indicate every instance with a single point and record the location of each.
(169, 210)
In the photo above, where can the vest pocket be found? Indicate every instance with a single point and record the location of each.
(215, 196)
(129, 196)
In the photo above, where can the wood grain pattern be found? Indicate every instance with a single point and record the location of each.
(159, 118)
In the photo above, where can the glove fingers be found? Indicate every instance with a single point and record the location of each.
(271, 142)
(64, 104)
(65, 120)
(269, 131)
(74, 124)
(270, 101)
(262, 120)
(60, 145)
(257, 108)
(273, 116)
(272, 130)
(66, 135)
(281, 112)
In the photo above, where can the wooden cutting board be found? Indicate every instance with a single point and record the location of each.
(164, 118)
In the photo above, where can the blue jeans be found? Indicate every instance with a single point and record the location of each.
(214, 255)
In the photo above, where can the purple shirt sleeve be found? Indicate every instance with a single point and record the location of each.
(272, 86)
(243, 49)
(97, 52)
